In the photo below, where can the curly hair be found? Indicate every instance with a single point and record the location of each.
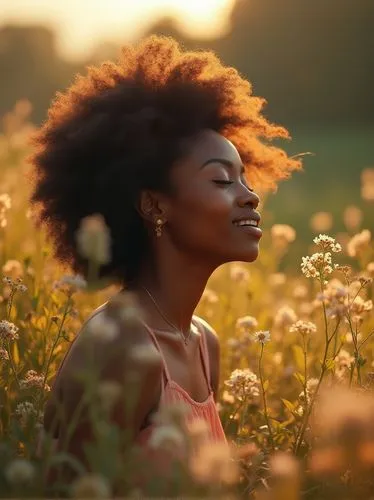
(120, 128)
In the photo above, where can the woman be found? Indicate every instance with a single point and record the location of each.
(165, 144)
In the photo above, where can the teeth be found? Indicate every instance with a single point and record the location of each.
(248, 222)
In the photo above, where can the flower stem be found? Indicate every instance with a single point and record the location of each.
(266, 414)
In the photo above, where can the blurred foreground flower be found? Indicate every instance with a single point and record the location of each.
(214, 463)
(93, 239)
(102, 327)
(91, 486)
(167, 437)
(19, 471)
(343, 425)
(285, 477)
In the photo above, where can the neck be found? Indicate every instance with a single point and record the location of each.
(176, 284)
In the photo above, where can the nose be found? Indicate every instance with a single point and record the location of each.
(247, 197)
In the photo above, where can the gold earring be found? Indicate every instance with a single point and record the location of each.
(158, 227)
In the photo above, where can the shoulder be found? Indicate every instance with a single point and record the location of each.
(108, 350)
(112, 340)
(210, 334)
(213, 352)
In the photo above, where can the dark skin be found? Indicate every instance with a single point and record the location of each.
(198, 235)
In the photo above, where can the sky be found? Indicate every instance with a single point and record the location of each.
(81, 24)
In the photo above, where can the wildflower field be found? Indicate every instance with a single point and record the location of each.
(297, 361)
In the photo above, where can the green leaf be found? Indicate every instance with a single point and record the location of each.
(299, 356)
(300, 378)
(330, 363)
(290, 406)
(34, 302)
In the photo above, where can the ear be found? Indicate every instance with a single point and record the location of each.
(149, 205)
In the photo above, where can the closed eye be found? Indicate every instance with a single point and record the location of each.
(223, 182)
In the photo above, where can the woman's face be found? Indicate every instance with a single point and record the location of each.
(211, 197)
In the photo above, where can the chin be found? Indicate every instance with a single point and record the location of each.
(245, 256)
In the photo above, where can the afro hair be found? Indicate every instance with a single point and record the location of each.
(120, 128)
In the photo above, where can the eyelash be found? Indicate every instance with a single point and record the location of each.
(222, 182)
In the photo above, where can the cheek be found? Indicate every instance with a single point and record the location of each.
(203, 219)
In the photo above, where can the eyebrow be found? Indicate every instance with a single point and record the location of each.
(225, 162)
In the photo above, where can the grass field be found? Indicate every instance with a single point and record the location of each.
(296, 345)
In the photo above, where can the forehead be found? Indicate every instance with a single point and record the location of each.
(210, 144)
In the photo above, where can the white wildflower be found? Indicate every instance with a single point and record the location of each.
(303, 327)
(26, 411)
(4, 356)
(327, 243)
(8, 281)
(316, 265)
(33, 379)
(262, 336)
(243, 384)
(8, 330)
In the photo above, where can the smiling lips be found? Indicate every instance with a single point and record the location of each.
(252, 219)
(246, 222)
(249, 225)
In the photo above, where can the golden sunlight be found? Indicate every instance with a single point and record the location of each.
(81, 25)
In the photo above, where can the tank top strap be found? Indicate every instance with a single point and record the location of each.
(204, 352)
(153, 337)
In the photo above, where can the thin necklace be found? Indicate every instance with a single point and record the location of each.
(184, 337)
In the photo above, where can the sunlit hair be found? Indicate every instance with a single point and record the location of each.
(121, 127)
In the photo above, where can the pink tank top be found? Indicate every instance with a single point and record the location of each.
(172, 392)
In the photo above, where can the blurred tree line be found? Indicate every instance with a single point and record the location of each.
(312, 61)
